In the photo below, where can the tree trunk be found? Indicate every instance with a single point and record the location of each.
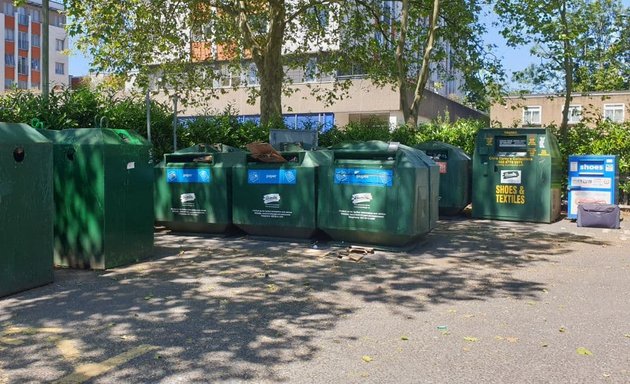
(271, 77)
(401, 68)
(270, 67)
(423, 76)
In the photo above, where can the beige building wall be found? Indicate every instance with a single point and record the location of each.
(58, 60)
(586, 107)
(363, 99)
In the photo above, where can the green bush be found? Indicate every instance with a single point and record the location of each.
(372, 129)
(224, 128)
(605, 138)
(461, 133)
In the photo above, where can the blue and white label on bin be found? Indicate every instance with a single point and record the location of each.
(188, 175)
(272, 176)
(368, 177)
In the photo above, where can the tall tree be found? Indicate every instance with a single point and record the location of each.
(157, 36)
(603, 62)
(403, 42)
(574, 51)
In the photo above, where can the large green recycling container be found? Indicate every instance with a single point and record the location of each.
(378, 193)
(26, 209)
(517, 175)
(278, 199)
(193, 188)
(103, 188)
(455, 175)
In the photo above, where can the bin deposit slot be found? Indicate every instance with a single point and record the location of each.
(289, 157)
(70, 154)
(18, 154)
(378, 156)
(437, 155)
(511, 146)
(190, 158)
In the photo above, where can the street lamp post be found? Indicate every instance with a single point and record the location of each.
(45, 50)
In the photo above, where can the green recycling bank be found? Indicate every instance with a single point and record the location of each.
(26, 209)
(516, 175)
(103, 192)
(278, 199)
(193, 188)
(378, 193)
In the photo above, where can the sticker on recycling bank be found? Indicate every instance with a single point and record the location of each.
(272, 176)
(187, 197)
(511, 177)
(361, 198)
(131, 165)
(188, 175)
(369, 177)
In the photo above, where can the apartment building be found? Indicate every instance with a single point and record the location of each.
(21, 32)
(542, 110)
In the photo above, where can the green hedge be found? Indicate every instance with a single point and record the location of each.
(605, 138)
(461, 133)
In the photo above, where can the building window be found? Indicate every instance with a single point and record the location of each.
(22, 84)
(9, 8)
(57, 20)
(532, 115)
(320, 13)
(60, 68)
(354, 72)
(35, 86)
(22, 16)
(35, 64)
(310, 71)
(23, 40)
(9, 34)
(22, 65)
(60, 44)
(386, 21)
(575, 114)
(8, 83)
(614, 112)
(252, 75)
(9, 60)
(35, 40)
(36, 16)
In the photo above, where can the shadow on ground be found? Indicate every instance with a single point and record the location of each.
(234, 309)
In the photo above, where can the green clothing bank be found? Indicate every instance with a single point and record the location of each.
(517, 175)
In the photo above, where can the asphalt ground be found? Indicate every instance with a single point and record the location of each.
(476, 302)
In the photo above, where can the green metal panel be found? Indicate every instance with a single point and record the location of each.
(26, 209)
(278, 199)
(378, 193)
(517, 175)
(193, 204)
(455, 175)
(103, 187)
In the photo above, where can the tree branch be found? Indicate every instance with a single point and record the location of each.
(377, 17)
(304, 8)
